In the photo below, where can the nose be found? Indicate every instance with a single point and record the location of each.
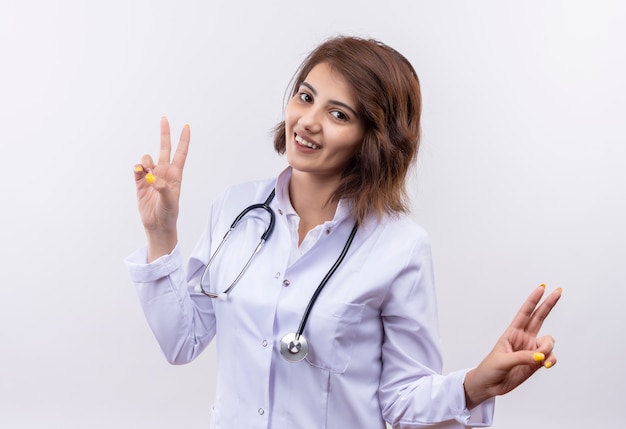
(310, 120)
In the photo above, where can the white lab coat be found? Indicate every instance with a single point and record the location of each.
(373, 333)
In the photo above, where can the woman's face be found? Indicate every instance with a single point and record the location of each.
(322, 128)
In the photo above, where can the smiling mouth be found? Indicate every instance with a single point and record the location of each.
(305, 143)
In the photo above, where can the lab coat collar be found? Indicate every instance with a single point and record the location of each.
(343, 211)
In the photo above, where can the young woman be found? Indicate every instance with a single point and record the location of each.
(333, 322)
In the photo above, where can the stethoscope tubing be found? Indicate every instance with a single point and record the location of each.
(264, 206)
(309, 307)
(266, 234)
(294, 346)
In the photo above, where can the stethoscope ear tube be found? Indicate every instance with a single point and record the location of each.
(268, 231)
(264, 206)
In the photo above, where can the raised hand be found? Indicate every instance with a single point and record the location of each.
(158, 192)
(518, 354)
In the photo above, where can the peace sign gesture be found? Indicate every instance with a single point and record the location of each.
(517, 355)
(158, 192)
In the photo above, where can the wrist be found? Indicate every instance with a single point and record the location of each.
(160, 245)
(474, 394)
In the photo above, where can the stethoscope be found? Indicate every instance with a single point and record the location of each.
(293, 346)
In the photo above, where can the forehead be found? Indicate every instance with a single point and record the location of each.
(328, 81)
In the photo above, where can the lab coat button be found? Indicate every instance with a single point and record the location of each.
(286, 283)
(277, 275)
(264, 343)
(261, 411)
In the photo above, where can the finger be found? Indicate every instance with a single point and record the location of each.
(183, 148)
(166, 143)
(545, 346)
(139, 171)
(546, 360)
(144, 170)
(522, 318)
(143, 173)
(147, 162)
(550, 361)
(531, 359)
(544, 352)
(542, 312)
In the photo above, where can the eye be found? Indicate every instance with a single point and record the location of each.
(339, 115)
(306, 97)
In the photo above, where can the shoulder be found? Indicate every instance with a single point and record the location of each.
(397, 239)
(247, 193)
(401, 228)
(235, 198)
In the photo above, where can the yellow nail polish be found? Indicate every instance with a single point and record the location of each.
(548, 364)
(538, 356)
(543, 285)
(139, 169)
(150, 178)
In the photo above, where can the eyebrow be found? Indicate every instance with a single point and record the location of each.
(336, 102)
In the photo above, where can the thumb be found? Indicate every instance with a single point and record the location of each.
(153, 180)
(524, 357)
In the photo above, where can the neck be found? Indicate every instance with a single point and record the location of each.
(311, 199)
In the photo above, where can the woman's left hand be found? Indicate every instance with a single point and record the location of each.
(517, 355)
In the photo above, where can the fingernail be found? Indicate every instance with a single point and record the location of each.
(543, 285)
(548, 364)
(150, 178)
(538, 356)
(560, 289)
(139, 169)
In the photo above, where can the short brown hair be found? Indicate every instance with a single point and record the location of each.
(389, 103)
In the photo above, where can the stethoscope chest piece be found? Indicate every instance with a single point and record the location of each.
(294, 348)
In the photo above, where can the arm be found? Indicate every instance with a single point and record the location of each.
(182, 322)
(413, 392)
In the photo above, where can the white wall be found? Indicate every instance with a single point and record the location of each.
(521, 181)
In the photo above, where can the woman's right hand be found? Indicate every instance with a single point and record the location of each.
(158, 192)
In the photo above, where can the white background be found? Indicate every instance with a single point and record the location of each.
(520, 181)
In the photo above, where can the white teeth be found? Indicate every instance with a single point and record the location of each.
(303, 142)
